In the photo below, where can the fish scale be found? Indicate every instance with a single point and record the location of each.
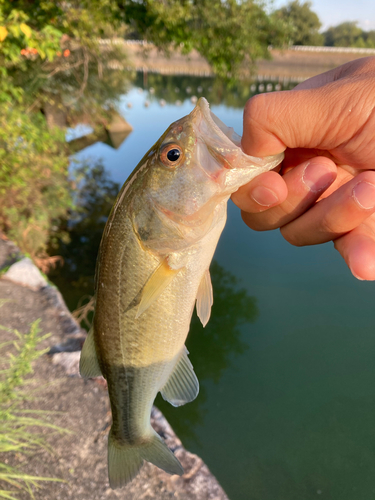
(152, 268)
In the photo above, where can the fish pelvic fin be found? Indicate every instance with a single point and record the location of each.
(155, 286)
(125, 461)
(182, 385)
(88, 363)
(205, 298)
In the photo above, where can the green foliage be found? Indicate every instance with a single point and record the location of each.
(50, 48)
(369, 38)
(18, 434)
(301, 23)
(17, 35)
(349, 34)
(230, 34)
(50, 60)
(34, 187)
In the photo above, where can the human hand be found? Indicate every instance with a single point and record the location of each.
(326, 126)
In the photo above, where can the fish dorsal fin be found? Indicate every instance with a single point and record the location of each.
(205, 298)
(182, 385)
(88, 363)
(157, 283)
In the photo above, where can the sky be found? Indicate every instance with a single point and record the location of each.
(333, 12)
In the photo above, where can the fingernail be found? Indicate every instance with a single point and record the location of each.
(364, 194)
(264, 196)
(356, 275)
(317, 177)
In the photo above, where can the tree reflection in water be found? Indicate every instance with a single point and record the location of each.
(213, 348)
(94, 198)
(174, 88)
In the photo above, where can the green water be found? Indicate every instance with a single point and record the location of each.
(286, 364)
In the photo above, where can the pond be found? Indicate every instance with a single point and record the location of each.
(286, 364)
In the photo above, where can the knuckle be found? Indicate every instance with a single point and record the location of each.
(259, 221)
(291, 236)
(254, 108)
(327, 226)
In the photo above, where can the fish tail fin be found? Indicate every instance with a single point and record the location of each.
(124, 462)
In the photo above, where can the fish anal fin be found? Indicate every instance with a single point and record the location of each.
(88, 363)
(205, 298)
(158, 453)
(157, 283)
(182, 385)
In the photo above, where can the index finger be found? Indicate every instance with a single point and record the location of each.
(289, 119)
(327, 118)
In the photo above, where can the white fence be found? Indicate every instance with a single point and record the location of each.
(348, 50)
(302, 48)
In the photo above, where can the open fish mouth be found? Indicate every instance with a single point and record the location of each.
(212, 126)
(224, 142)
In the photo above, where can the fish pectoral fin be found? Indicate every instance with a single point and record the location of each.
(182, 385)
(157, 283)
(205, 298)
(88, 363)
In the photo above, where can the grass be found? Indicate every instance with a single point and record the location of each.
(4, 270)
(20, 429)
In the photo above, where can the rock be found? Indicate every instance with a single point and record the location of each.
(55, 301)
(197, 482)
(25, 273)
(71, 344)
(9, 252)
(69, 361)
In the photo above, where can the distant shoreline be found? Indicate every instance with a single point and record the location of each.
(295, 64)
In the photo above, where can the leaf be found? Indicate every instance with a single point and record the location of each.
(42, 53)
(3, 33)
(50, 54)
(15, 30)
(26, 30)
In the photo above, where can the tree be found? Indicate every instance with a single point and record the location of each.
(230, 34)
(369, 37)
(34, 186)
(49, 56)
(348, 34)
(302, 23)
(50, 51)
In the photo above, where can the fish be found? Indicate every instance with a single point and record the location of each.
(152, 270)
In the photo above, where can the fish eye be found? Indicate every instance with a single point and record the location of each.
(171, 155)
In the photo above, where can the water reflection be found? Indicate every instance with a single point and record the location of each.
(213, 348)
(94, 198)
(179, 88)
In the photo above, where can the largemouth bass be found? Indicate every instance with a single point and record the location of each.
(153, 267)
